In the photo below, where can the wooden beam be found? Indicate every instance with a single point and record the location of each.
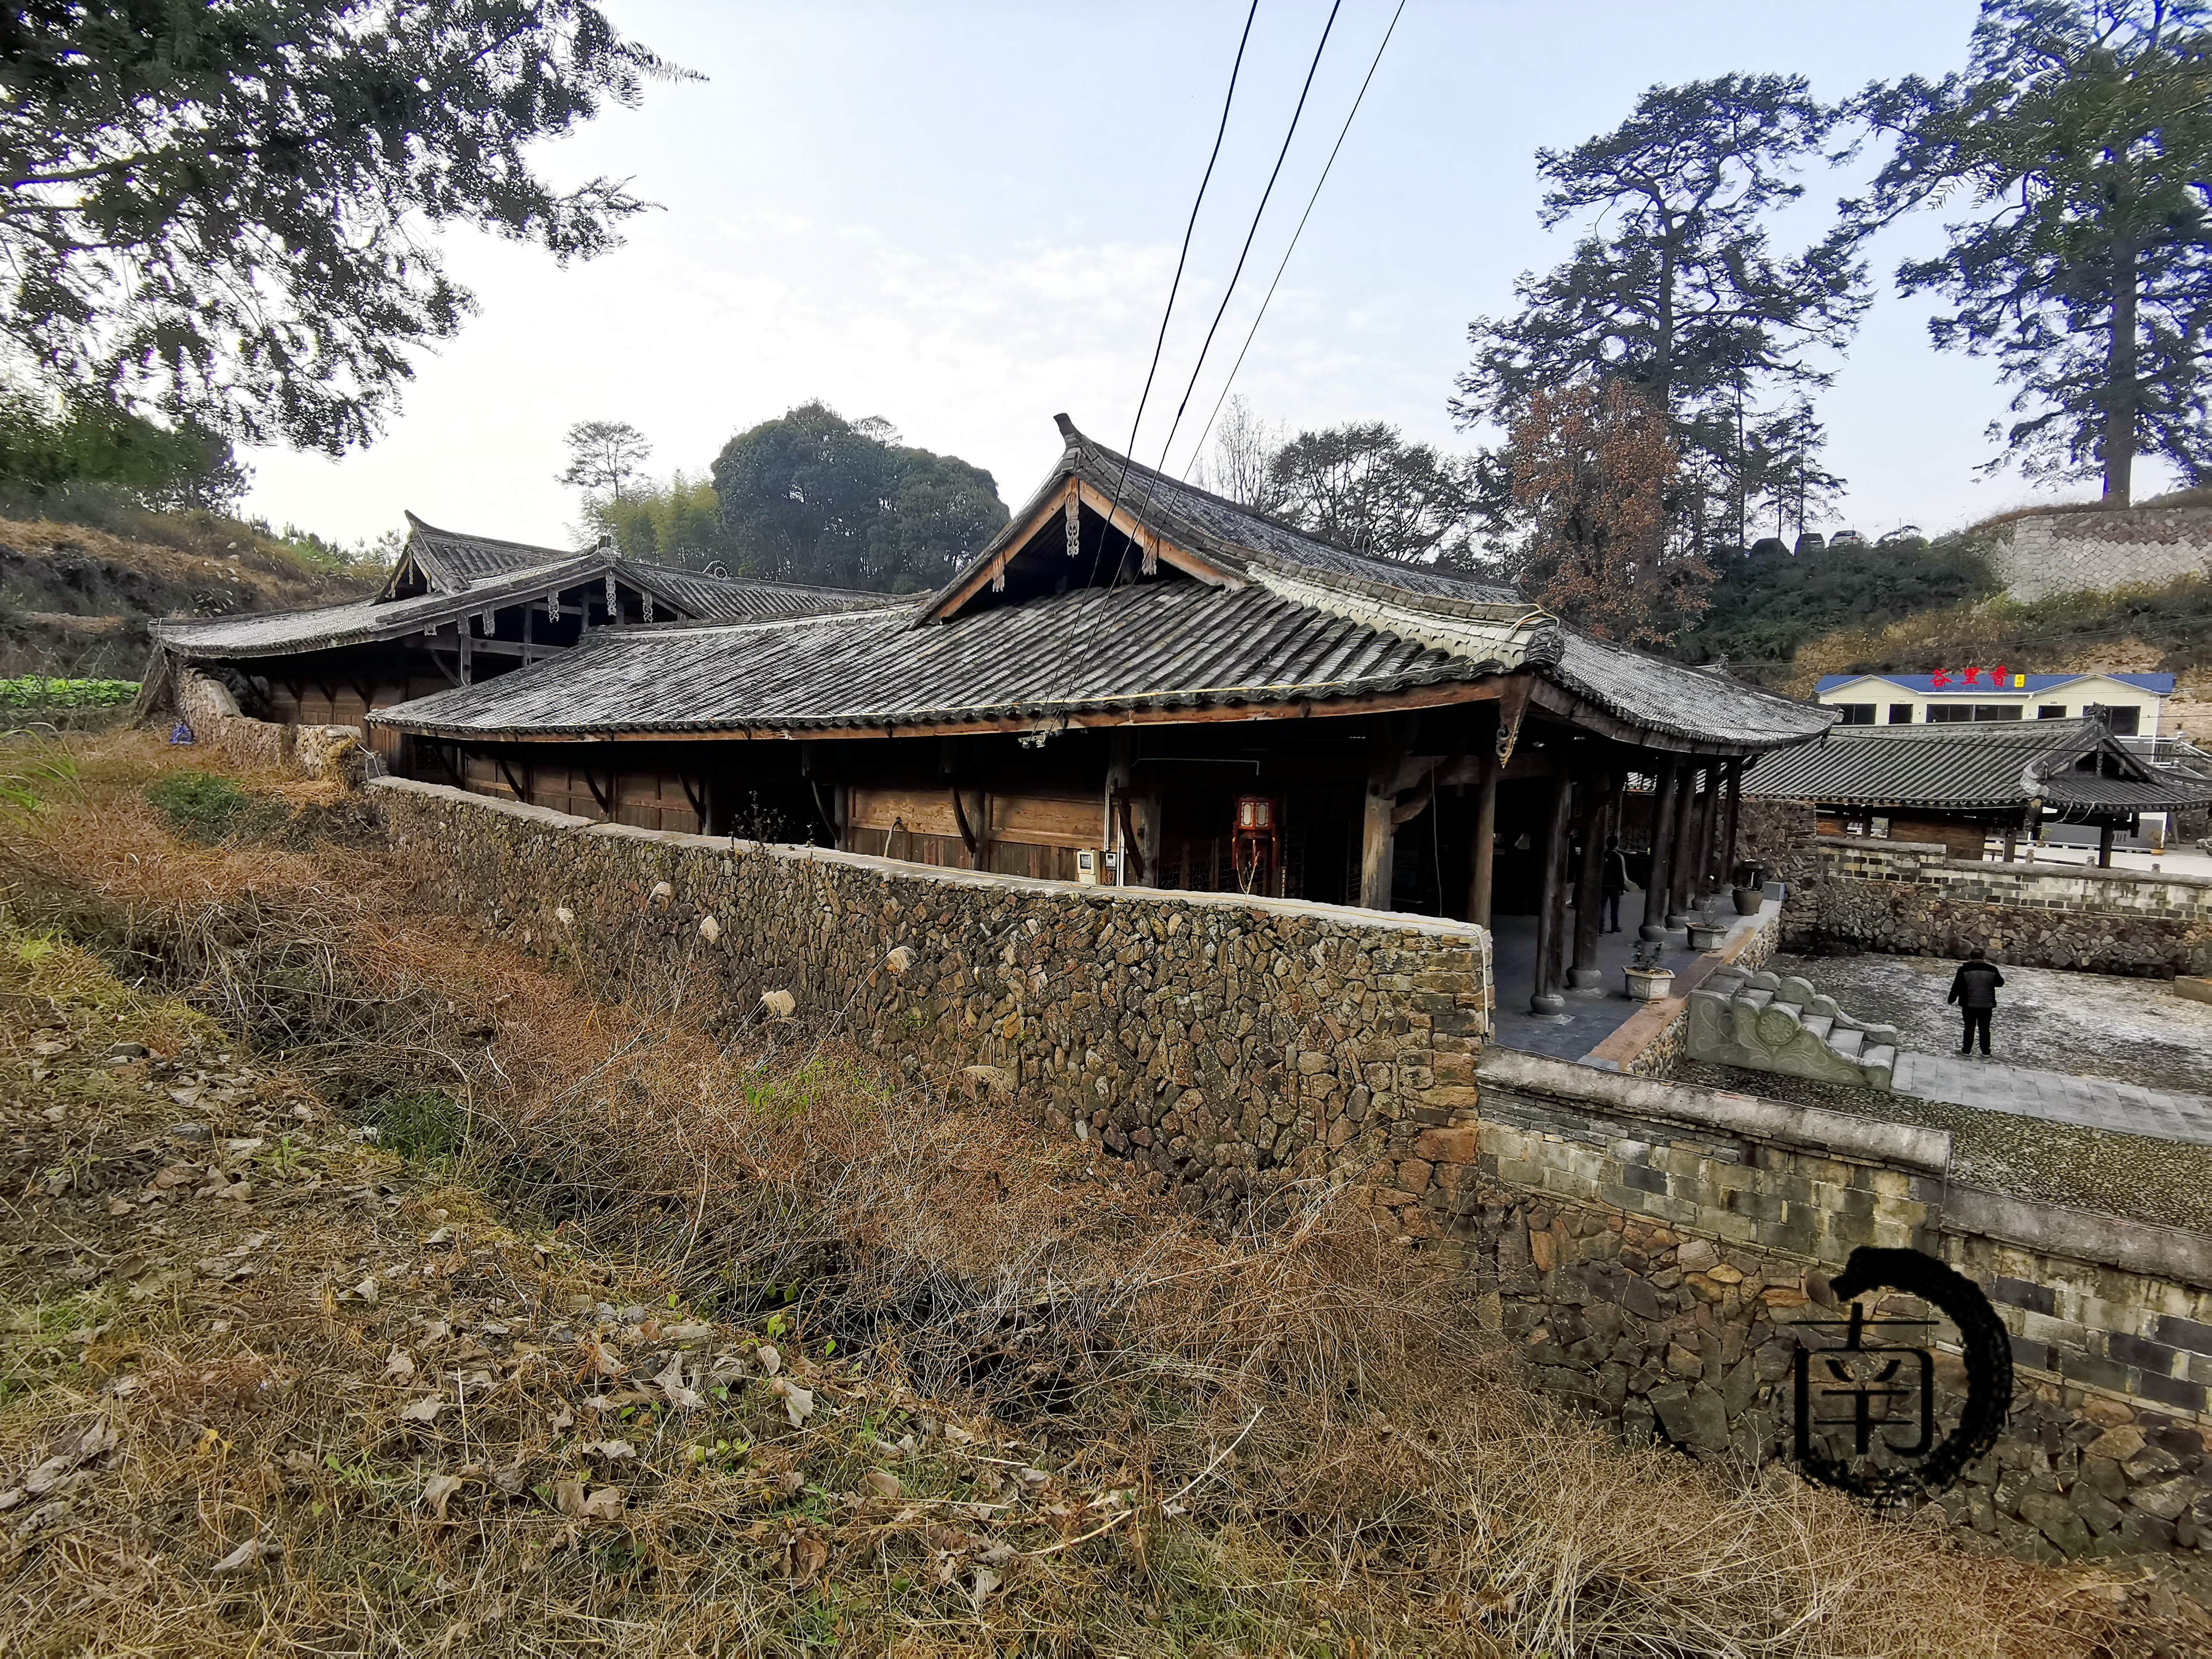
(695, 794)
(521, 789)
(604, 796)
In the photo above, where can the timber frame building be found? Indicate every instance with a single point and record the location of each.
(457, 610)
(1961, 784)
(1140, 681)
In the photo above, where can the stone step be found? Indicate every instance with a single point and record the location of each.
(1884, 1057)
(1819, 1024)
(1847, 1041)
(1757, 998)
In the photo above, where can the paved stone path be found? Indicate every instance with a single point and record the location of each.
(2091, 1102)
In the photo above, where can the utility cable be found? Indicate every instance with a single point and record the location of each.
(1175, 286)
(1199, 448)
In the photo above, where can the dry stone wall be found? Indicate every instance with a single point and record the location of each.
(1652, 1247)
(1911, 898)
(316, 751)
(1230, 1045)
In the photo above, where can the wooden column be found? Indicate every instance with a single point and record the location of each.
(2104, 846)
(1590, 879)
(1662, 846)
(1734, 817)
(1709, 824)
(1681, 874)
(1482, 845)
(1378, 834)
(1547, 996)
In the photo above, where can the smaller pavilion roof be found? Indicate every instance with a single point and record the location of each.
(1980, 766)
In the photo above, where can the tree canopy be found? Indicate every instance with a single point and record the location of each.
(1594, 469)
(604, 457)
(225, 214)
(1675, 289)
(2080, 139)
(1362, 486)
(813, 497)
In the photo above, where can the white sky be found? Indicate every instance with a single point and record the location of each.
(964, 217)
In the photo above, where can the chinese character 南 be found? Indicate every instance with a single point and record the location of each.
(1858, 1375)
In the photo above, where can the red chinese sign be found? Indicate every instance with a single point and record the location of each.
(1999, 678)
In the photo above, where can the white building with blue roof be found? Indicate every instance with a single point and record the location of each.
(2134, 704)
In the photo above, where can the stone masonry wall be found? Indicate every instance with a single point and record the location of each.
(1651, 1248)
(316, 751)
(1230, 1045)
(1911, 898)
(2070, 552)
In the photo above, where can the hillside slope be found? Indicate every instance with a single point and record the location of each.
(74, 598)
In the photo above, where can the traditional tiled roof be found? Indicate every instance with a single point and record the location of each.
(1982, 765)
(451, 560)
(285, 633)
(738, 598)
(1279, 618)
(1176, 645)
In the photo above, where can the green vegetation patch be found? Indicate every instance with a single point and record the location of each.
(427, 1126)
(37, 692)
(199, 804)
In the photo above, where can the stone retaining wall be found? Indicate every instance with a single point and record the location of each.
(1230, 1045)
(2046, 553)
(1651, 1247)
(1913, 899)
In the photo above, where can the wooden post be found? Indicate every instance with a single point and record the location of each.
(1378, 835)
(1709, 824)
(1589, 880)
(1482, 847)
(1734, 816)
(1663, 838)
(2104, 846)
(1681, 875)
(1552, 907)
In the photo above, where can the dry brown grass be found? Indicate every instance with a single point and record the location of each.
(1318, 1450)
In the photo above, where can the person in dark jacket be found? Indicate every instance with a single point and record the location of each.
(1974, 989)
(1616, 881)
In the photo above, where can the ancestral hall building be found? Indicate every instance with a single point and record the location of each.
(1140, 681)
(457, 610)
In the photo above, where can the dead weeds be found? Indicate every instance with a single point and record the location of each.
(670, 1341)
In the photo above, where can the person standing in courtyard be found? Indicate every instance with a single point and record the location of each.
(1974, 989)
(1616, 881)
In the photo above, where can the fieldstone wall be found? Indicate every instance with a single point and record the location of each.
(1652, 1247)
(315, 752)
(1910, 898)
(1230, 1045)
(2047, 553)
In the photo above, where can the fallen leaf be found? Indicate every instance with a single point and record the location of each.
(613, 1450)
(604, 1361)
(247, 1556)
(366, 1291)
(986, 1582)
(563, 1419)
(798, 1402)
(438, 1490)
(771, 1362)
(671, 1382)
(423, 1411)
(399, 1367)
(883, 1483)
(605, 1505)
(809, 1555)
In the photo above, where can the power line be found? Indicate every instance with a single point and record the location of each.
(1229, 293)
(1175, 286)
(1198, 447)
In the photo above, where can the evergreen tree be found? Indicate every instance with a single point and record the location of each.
(1362, 486)
(224, 214)
(1676, 290)
(2081, 135)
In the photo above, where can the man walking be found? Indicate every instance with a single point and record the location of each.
(1616, 881)
(1974, 989)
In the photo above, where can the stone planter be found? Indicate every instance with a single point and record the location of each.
(1649, 984)
(1747, 900)
(1707, 935)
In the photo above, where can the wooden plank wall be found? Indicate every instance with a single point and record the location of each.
(1028, 834)
(342, 705)
(648, 800)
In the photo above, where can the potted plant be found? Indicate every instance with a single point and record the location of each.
(1750, 888)
(1647, 981)
(1708, 932)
